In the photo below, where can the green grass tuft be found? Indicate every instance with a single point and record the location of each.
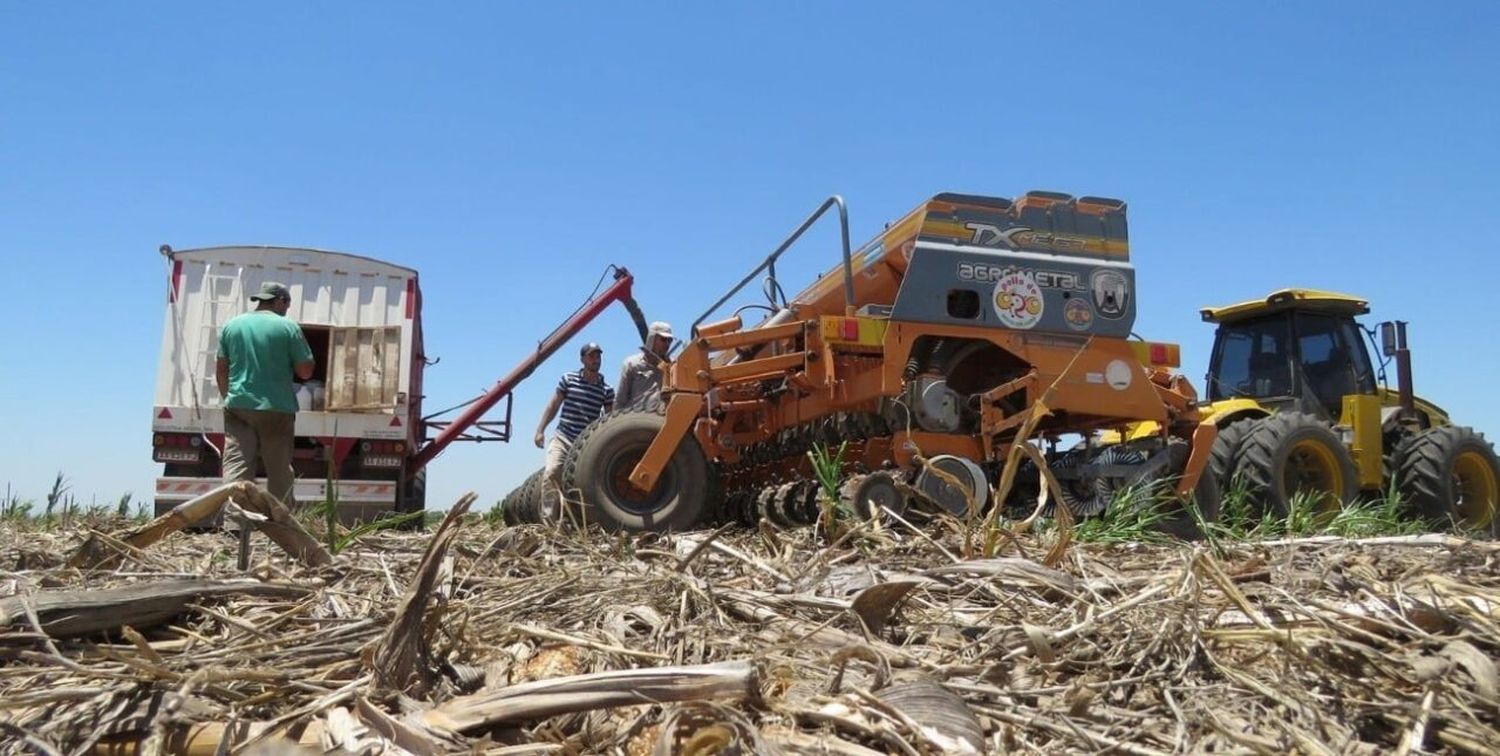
(828, 469)
(1132, 517)
(1134, 513)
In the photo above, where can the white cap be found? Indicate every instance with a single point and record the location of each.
(660, 328)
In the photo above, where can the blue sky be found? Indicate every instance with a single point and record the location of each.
(510, 152)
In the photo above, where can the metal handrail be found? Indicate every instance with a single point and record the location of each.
(790, 240)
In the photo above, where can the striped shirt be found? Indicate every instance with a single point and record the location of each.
(582, 403)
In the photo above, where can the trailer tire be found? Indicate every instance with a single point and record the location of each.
(531, 500)
(600, 465)
(414, 493)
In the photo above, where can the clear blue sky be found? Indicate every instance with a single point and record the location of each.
(510, 151)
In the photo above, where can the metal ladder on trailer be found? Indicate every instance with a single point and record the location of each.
(223, 298)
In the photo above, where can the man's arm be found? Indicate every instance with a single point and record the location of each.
(541, 430)
(627, 385)
(221, 376)
(302, 356)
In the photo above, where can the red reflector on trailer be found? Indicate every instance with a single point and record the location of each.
(176, 281)
(165, 414)
(851, 329)
(395, 422)
(1158, 353)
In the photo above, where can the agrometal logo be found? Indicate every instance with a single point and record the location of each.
(1018, 293)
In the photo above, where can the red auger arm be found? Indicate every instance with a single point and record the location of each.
(619, 291)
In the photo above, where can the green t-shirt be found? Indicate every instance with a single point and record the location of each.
(262, 347)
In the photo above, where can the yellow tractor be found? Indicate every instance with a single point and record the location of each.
(1301, 409)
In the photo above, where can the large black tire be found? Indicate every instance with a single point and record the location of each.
(1449, 475)
(1291, 453)
(1181, 517)
(1226, 447)
(519, 506)
(599, 466)
(414, 493)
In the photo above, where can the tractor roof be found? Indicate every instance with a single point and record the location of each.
(1309, 300)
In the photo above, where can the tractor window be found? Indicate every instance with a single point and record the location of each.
(1326, 360)
(1354, 341)
(1317, 338)
(1251, 360)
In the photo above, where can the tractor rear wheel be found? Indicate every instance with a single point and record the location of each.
(1449, 475)
(1294, 454)
(600, 465)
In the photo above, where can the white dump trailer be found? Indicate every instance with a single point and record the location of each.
(360, 420)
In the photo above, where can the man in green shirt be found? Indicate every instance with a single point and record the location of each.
(259, 352)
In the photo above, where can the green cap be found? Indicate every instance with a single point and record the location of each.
(271, 290)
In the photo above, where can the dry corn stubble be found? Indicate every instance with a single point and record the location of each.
(1317, 645)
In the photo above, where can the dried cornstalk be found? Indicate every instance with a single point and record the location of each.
(734, 680)
(403, 659)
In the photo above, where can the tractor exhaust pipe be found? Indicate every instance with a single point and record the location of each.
(1393, 344)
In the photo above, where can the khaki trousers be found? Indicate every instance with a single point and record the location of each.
(557, 453)
(264, 435)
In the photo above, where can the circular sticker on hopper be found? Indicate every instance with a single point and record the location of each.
(1118, 374)
(1078, 314)
(1018, 300)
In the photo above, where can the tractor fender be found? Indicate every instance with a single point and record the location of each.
(1390, 400)
(1222, 413)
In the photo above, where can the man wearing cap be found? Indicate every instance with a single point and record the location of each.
(583, 396)
(641, 373)
(259, 352)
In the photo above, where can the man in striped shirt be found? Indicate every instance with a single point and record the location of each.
(583, 397)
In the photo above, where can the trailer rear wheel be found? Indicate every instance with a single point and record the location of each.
(414, 493)
(599, 469)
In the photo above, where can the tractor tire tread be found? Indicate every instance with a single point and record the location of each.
(1263, 451)
(1226, 447)
(1423, 469)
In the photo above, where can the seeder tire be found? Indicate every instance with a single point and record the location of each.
(519, 506)
(1183, 518)
(600, 465)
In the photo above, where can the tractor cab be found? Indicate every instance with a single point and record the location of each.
(1297, 349)
(1300, 413)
